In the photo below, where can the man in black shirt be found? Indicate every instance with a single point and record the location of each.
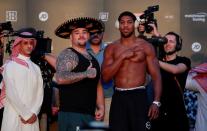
(174, 70)
(77, 75)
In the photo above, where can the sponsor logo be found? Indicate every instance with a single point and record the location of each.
(198, 17)
(104, 16)
(11, 15)
(196, 47)
(148, 125)
(43, 16)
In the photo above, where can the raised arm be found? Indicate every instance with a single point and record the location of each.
(51, 59)
(66, 62)
(174, 69)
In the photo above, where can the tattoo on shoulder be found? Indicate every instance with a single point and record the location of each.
(66, 62)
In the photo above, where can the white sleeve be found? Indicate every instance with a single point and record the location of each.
(12, 96)
(191, 84)
(39, 95)
(1, 85)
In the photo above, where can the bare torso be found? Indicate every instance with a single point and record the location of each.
(132, 72)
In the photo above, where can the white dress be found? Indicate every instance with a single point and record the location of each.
(201, 117)
(24, 95)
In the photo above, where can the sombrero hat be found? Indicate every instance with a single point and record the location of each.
(65, 29)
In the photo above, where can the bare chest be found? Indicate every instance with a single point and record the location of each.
(137, 54)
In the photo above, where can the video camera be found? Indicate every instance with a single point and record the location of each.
(148, 17)
(43, 45)
(6, 26)
(157, 41)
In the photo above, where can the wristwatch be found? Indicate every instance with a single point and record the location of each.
(157, 103)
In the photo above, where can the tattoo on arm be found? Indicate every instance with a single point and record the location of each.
(66, 62)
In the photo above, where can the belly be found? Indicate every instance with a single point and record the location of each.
(131, 76)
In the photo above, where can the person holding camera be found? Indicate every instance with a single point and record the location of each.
(174, 71)
(127, 61)
(142, 29)
(148, 24)
(155, 38)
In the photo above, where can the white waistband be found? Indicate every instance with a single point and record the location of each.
(129, 89)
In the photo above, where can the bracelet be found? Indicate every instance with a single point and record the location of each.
(157, 103)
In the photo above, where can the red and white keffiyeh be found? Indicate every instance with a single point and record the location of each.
(201, 76)
(13, 57)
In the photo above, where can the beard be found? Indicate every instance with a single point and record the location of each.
(81, 43)
(170, 52)
(126, 35)
(95, 41)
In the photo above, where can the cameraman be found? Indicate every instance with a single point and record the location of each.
(141, 30)
(148, 25)
(156, 40)
(174, 70)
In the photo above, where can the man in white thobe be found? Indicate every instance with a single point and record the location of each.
(197, 81)
(23, 84)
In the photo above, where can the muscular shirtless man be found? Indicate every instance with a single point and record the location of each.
(127, 61)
